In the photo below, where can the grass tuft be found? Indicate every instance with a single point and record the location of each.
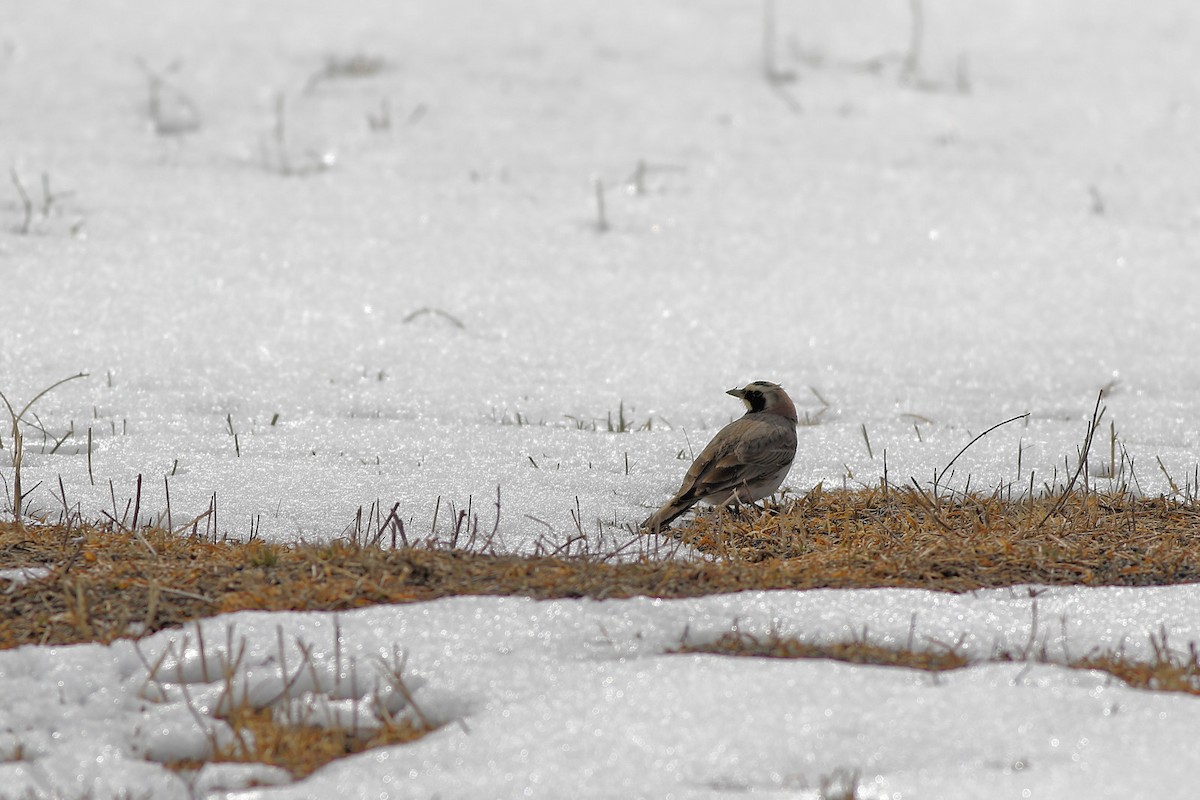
(264, 737)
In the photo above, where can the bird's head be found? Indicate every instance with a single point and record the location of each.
(765, 397)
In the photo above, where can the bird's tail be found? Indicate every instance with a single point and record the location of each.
(664, 516)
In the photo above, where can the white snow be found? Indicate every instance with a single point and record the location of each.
(585, 699)
(23, 575)
(930, 262)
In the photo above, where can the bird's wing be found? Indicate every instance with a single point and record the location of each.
(744, 451)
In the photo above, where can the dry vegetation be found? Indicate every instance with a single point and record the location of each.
(299, 748)
(906, 537)
(1169, 671)
(105, 584)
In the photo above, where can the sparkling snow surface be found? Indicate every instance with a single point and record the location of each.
(428, 314)
(583, 699)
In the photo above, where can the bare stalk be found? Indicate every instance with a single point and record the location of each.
(1093, 424)
(26, 202)
(16, 418)
(938, 476)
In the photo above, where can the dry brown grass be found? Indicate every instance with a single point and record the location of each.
(107, 584)
(1167, 671)
(873, 537)
(859, 651)
(263, 738)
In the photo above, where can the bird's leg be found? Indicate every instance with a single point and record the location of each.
(741, 510)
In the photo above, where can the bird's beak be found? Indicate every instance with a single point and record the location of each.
(737, 393)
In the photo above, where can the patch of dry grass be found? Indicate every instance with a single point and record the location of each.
(1167, 671)
(105, 584)
(264, 738)
(859, 651)
(877, 537)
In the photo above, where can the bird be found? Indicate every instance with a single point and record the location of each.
(746, 461)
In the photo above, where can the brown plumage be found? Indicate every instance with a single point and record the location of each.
(746, 461)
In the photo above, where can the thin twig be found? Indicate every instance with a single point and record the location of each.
(1097, 413)
(938, 476)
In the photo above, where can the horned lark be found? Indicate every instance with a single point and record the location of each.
(745, 461)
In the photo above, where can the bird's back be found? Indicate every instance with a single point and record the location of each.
(745, 454)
